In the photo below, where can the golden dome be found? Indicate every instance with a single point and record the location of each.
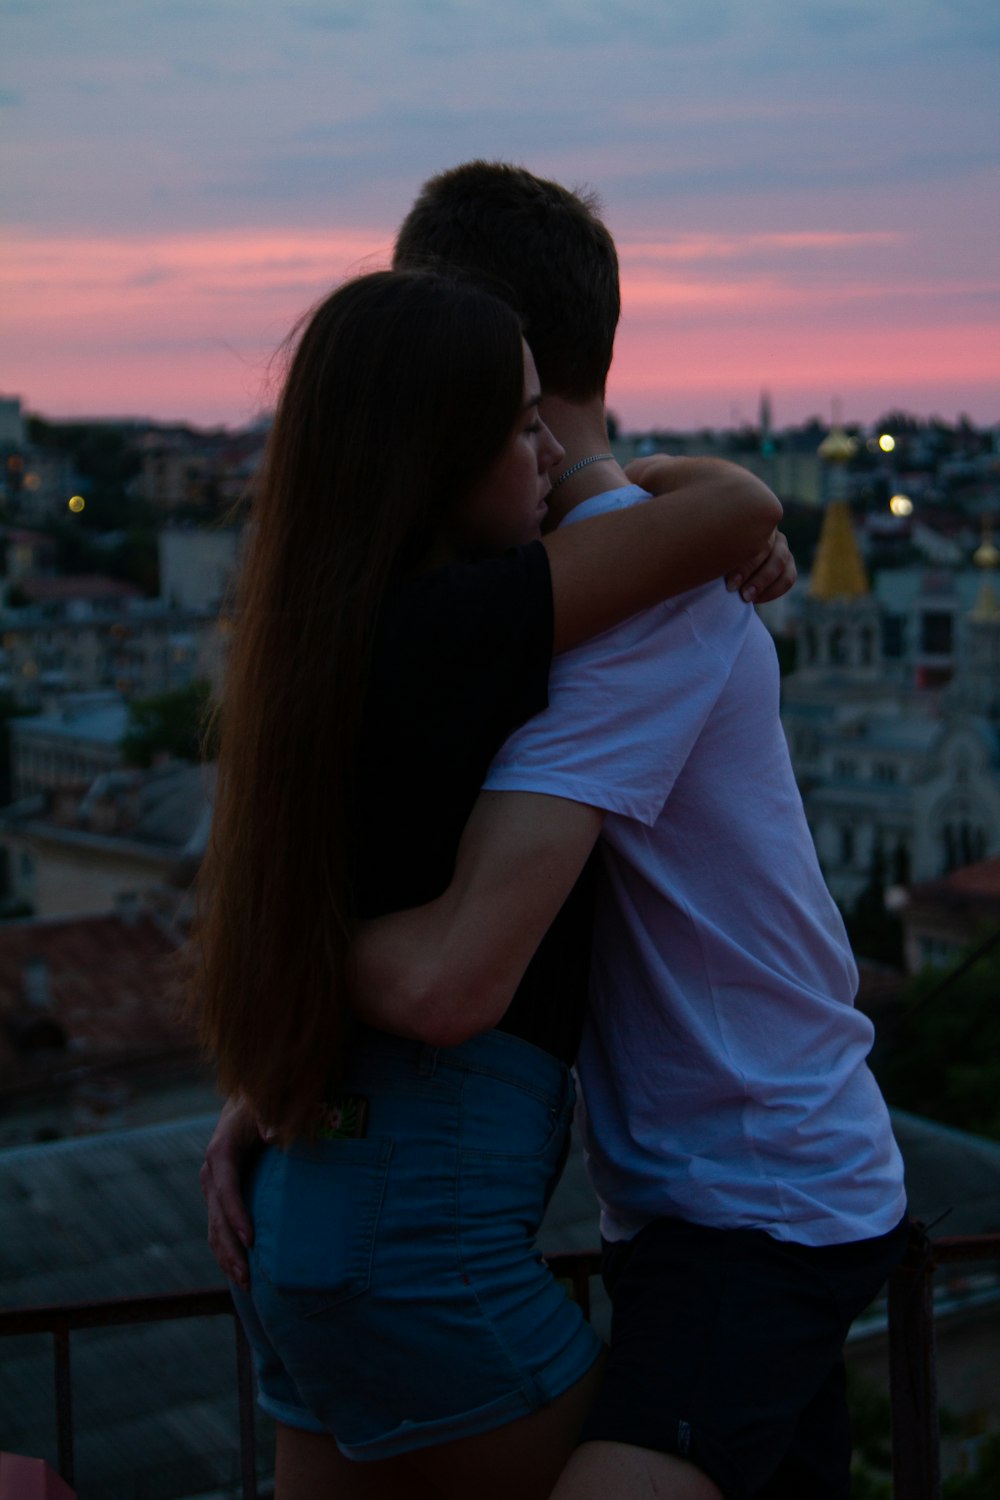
(986, 554)
(837, 447)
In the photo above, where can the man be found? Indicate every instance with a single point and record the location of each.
(751, 1192)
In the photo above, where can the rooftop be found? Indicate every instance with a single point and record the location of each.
(107, 985)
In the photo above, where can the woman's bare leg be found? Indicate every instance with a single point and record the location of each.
(522, 1460)
(310, 1466)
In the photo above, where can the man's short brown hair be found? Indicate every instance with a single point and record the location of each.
(539, 245)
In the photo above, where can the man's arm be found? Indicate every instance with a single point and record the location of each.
(448, 970)
(439, 973)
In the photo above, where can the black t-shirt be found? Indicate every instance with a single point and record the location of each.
(461, 658)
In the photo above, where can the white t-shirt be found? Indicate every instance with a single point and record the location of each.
(722, 1067)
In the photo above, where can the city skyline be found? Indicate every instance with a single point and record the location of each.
(804, 198)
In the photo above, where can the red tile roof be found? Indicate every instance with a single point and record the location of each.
(113, 984)
(980, 879)
(977, 884)
(77, 586)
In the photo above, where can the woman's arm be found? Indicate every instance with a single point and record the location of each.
(706, 518)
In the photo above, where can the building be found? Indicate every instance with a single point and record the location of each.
(893, 717)
(11, 422)
(127, 835)
(67, 749)
(197, 567)
(68, 643)
(943, 917)
(91, 1031)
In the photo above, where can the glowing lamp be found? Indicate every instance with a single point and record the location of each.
(887, 442)
(76, 504)
(901, 505)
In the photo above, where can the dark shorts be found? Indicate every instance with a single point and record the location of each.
(727, 1350)
(397, 1296)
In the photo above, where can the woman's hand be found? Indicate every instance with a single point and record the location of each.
(768, 575)
(230, 1232)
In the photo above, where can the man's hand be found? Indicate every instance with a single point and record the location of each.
(230, 1231)
(768, 575)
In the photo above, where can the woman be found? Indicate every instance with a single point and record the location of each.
(387, 644)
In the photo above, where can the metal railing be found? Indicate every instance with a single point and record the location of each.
(61, 1321)
(916, 1468)
(916, 1444)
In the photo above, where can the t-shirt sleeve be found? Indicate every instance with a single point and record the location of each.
(626, 708)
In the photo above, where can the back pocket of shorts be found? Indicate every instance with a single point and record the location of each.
(317, 1219)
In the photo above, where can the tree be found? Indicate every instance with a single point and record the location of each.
(984, 1484)
(174, 724)
(875, 932)
(944, 1059)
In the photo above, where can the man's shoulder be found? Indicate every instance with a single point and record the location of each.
(620, 498)
(713, 606)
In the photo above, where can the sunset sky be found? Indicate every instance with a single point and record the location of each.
(805, 195)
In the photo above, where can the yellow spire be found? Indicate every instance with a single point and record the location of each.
(986, 555)
(837, 571)
(987, 606)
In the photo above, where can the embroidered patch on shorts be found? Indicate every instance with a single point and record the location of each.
(343, 1119)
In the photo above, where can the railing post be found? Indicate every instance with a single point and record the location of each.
(64, 1402)
(916, 1446)
(245, 1387)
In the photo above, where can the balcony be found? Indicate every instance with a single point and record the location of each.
(916, 1468)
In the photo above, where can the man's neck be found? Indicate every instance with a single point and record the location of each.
(582, 429)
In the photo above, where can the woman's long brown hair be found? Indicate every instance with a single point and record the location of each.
(401, 393)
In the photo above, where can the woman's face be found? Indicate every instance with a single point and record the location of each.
(507, 507)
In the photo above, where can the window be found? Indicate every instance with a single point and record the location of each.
(937, 951)
(936, 632)
(838, 646)
(892, 635)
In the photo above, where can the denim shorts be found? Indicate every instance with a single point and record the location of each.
(397, 1298)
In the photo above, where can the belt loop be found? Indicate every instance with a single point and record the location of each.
(428, 1061)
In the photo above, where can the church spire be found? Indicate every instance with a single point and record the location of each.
(987, 557)
(837, 570)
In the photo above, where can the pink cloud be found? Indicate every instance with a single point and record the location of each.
(183, 326)
(710, 247)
